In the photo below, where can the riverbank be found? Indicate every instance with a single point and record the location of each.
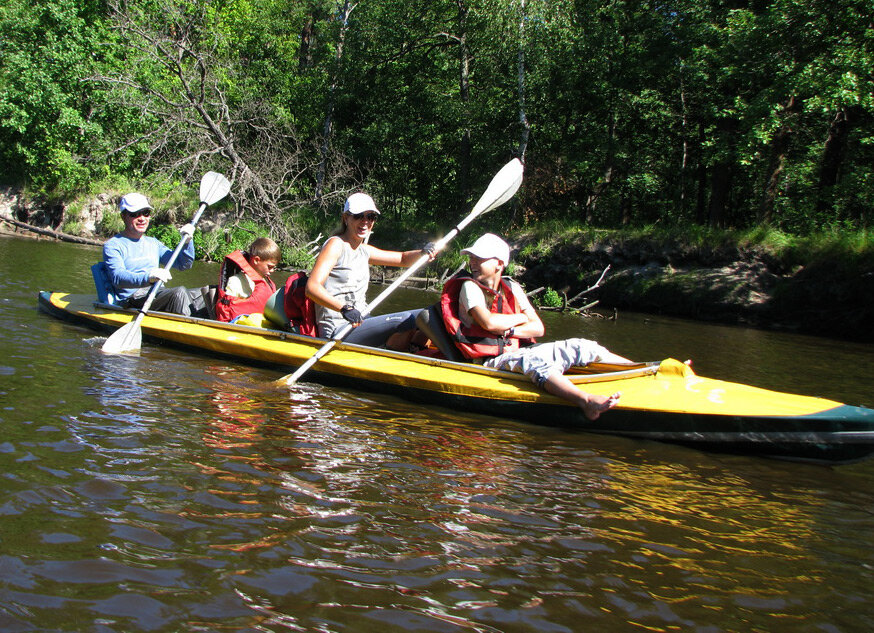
(819, 287)
(821, 290)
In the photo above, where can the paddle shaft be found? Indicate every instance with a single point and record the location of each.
(132, 330)
(182, 243)
(346, 328)
(501, 188)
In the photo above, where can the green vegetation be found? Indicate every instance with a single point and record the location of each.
(693, 243)
(684, 117)
(215, 245)
(550, 298)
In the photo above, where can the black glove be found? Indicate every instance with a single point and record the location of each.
(351, 314)
(429, 249)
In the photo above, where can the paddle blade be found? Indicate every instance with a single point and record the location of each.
(127, 339)
(213, 187)
(502, 187)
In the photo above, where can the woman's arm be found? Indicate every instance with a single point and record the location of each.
(403, 259)
(325, 262)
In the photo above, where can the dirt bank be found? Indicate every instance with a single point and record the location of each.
(826, 296)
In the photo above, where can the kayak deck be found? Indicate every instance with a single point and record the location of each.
(663, 401)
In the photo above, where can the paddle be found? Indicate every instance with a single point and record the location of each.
(128, 338)
(502, 187)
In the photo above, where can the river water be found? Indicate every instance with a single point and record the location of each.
(176, 492)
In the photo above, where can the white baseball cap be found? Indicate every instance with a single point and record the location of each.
(490, 246)
(359, 203)
(133, 202)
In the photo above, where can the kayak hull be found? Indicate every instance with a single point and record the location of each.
(664, 402)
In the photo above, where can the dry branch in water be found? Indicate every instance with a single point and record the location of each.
(567, 304)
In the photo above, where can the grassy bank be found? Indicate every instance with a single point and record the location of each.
(819, 284)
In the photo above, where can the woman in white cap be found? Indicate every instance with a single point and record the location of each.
(339, 279)
(134, 262)
(490, 320)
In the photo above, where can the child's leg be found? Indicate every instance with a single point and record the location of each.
(593, 406)
(579, 352)
(546, 363)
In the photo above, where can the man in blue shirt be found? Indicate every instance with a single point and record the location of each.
(134, 262)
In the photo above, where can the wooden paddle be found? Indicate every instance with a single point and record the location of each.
(502, 187)
(129, 338)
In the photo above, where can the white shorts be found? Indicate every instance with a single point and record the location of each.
(539, 362)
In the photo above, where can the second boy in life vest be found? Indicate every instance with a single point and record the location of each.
(244, 280)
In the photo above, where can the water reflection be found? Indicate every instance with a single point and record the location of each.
(170, 491)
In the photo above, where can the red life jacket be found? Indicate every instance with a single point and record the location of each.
(299, 308)
(475, 341)
(227, 307)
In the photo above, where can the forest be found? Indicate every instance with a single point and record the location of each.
(712, 113)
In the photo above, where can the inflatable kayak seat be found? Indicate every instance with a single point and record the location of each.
(430, 321)
(210, 296)
(105, 291)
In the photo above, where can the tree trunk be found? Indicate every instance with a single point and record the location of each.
(305, 54)
(779, 148)
(721, 174)
(327, 130)
(720, 183)
(464, 94)
(523, 117)
(684, 162)
(833, 155)
(701, 178)
(609, 169)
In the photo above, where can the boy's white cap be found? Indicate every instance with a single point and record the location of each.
(489, 246)
(359, 203)
(133, 202)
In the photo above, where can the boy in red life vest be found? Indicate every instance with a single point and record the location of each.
(244, 280)
(490, 319)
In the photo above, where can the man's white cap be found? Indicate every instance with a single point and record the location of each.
(133, 202)
(490, 246)
(359, 203)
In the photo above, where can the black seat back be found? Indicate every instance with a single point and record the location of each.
(430, 321)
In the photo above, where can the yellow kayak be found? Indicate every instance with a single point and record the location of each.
(662, 401)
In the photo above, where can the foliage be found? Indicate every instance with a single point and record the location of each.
(49, 132)
(686, 116)
(215, 245)
(550, 298)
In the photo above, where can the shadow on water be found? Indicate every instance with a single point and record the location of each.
(169, 491)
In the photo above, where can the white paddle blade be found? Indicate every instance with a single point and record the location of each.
(126, 339)
(213, 187)
(502, 187)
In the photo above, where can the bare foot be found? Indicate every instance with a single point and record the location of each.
(596, 405)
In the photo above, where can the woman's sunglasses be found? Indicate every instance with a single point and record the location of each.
(370, 216)
(136, 214)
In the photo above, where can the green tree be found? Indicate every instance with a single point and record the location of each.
(51, 125)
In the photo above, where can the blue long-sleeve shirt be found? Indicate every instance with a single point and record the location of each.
(129, 261)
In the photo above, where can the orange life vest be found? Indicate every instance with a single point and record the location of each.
(227, 307)
(300, 309)
(475, 341)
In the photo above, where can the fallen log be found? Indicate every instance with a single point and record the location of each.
(58, 235)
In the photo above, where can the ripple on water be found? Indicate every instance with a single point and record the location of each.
(167, 491)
